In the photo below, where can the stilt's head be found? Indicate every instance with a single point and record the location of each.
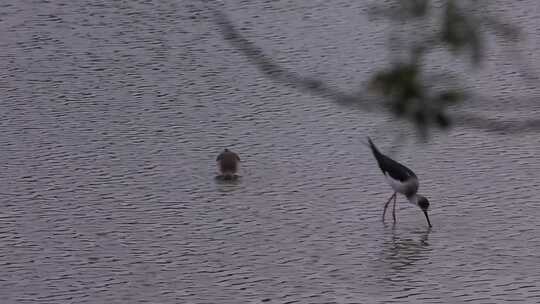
(423, 203)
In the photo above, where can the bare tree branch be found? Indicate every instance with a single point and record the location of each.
(501, 127)
(278, 73)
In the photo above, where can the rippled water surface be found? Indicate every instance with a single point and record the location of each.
(113, 113)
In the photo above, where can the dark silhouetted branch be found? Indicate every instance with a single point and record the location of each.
(497, 126)
(274, 71)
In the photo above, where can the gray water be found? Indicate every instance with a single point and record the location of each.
(113, 113)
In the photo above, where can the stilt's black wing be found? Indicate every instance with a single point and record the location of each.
(389, 166)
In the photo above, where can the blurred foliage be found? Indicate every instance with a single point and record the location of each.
(409, 90)
(457, 28)
(458, 31)
(415, 8)
(407, 98)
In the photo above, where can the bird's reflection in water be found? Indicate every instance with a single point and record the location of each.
(227, 184)
(404, 251)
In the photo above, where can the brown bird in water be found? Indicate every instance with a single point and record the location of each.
(228, 164)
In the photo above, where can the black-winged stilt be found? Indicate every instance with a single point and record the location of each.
(402, 180)
(228, 164)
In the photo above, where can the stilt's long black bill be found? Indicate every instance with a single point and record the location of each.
(427, 218)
